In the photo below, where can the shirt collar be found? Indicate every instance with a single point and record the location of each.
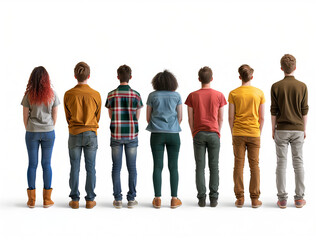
(124, 87)
(289, 77)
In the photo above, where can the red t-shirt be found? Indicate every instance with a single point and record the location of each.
(206, 103)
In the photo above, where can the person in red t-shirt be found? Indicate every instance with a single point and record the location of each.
(205, 117)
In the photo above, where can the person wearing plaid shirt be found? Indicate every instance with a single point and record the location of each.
(124, 106)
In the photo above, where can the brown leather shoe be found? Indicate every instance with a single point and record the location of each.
(74, 204)
(240, 202)
(31, 198)
(47, 202)
(255, 203)
(157, 202)
(90, 204)
(176, 202)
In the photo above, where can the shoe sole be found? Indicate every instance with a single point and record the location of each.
(157, 207)
(176, 206)
(30, 206)
(131, 206)
(117, 207)
(47, 206)
(282, 207)
(300, 206)
(256, 206)
(239, 206)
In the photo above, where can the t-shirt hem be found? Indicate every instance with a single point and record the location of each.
(290, 127)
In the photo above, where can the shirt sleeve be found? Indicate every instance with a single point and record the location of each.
(274, 108)
(230, 98)
(108, 102)
(139, 103)
(25, 101)
(179, 102)
(98, 109)
(222, 100)
(189, 100)
(304, 103)
(66, 109)
(56, 100)
(149, 100)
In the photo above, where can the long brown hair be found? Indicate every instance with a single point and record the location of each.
(39, 88)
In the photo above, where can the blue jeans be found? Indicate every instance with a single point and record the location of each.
(130, 147)
(88, 142)
(33, 141)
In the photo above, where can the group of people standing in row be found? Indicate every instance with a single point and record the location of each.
(82, 105)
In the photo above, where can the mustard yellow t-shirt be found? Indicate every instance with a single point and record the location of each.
(247, 100)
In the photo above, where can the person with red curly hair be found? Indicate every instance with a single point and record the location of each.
(40, 107)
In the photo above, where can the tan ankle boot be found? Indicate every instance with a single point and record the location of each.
(31, 198)
(47, 202)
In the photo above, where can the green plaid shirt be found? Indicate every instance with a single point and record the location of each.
(124, 102)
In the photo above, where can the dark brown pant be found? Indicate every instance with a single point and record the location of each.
(252, 144)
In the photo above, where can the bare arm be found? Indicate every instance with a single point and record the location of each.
(110, 113)
(190, 112)
(54, 114)
(261, 113)
(25, 116)
(305, 119)
(231, 116)
(220, 118)
(179, 109)
(138, 113)
(273, 125)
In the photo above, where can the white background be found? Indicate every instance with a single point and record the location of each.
(151, 36)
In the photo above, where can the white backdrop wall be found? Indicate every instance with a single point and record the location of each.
(150, 36)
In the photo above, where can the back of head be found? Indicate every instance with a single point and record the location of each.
(245, 72)
(288, 63)
(39, 87)
(164, 81)
(124, 73)
(205, 75)
(82, 71)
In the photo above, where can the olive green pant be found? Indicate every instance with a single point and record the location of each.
(172, 143)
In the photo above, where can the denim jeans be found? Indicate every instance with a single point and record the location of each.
(207, 141)
(130, 147)
(33, 141)
(88, 142)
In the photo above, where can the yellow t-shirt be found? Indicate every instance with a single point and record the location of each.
(247, 100)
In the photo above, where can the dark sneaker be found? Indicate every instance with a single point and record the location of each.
(282, 204)
(300, 203)
(202, 202)
(240, 202)
(213, 202)
(132, 204)
(117, 204)
(255, 203)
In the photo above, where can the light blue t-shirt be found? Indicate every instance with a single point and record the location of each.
(164, 111)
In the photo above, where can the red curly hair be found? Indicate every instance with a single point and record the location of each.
(39, 88)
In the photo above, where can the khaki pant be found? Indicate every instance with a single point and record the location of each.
(252, 144)
(296, 140)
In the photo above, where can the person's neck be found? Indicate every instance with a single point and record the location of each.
(124, 83)
(245, 83)
(205, 85)
(84, 82)
(289, 75)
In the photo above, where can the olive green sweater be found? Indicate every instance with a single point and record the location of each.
(289, 102)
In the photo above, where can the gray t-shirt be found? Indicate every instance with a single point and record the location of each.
(40, 116)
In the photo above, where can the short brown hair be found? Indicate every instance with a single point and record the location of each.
(81, 71)
(164, 81)
(245, 72)
(288, 63)
(124, 73)
(205, 75)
